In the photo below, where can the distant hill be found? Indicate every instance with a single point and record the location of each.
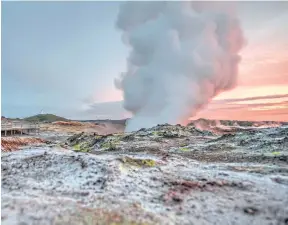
(45, 118)
(121, 122)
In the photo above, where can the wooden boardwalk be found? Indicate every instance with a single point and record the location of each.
(16, 128)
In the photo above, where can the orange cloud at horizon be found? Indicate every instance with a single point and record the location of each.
(246, 114)
(252, 91)
(268, 103)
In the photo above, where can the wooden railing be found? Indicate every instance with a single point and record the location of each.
(19, 125)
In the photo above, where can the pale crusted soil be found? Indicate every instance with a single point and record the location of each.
(150, 177)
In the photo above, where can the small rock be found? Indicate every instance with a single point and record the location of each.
(250, 210)
(177, 199)
(84, 193)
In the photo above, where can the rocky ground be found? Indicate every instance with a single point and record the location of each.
(163, 175)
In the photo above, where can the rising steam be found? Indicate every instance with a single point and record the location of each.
(182, 55)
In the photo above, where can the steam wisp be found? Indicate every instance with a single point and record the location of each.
(182, 55)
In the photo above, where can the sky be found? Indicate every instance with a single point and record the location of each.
(63, 57)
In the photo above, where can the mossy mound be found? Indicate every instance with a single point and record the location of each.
(87, 142)
(81, 148)
(160, 134)
(138, 162)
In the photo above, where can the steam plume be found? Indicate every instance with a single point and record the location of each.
(182, 55)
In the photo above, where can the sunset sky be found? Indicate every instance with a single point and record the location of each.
(62, 58)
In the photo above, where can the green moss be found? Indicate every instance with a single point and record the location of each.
(110, 145)
(155, 133)
(148, 162)
(183, 145)
(76, 147)
(184, 149)
(158, 133)
(81, 148)
(166, 134)
(276, 153)
(128, 137)
(138, 162)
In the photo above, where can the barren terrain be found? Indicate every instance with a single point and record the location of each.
(96, 174)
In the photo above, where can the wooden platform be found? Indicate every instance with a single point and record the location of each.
(16, 128)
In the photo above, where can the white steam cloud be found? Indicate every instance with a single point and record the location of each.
(182, 55)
